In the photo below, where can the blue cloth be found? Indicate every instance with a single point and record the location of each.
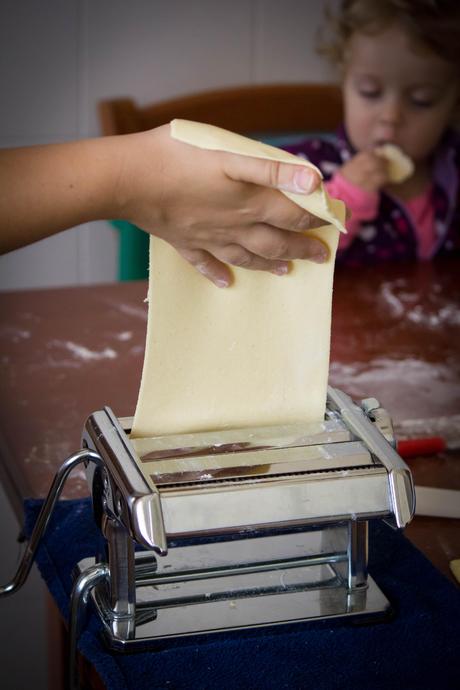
(419, 649)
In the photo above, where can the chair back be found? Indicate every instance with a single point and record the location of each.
(273, 108)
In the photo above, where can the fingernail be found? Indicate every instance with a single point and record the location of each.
(280, 270)
(204, 270)
(304, 181)
(320, 257)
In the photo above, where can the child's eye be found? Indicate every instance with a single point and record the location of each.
(369, 93)
(422, 98)
(422, 102)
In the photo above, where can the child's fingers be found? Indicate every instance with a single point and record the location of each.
(380, 170)
(366, 170)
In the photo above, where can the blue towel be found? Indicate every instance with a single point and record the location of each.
(419, 649)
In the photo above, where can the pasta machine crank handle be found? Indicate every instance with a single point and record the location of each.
(43, 519)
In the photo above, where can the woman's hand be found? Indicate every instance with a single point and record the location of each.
(218, 208)
(214, 208)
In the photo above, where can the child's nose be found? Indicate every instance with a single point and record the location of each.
(391, 112)
(390, 118)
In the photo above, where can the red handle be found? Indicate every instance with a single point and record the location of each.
(421, 446)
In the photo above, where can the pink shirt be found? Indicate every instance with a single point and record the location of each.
(364, 207)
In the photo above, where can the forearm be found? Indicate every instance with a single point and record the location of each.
(215, 208)
(46, 189)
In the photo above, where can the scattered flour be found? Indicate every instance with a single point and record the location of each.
(14, 334)
(124, 336)
(83, 353)
(400, 303)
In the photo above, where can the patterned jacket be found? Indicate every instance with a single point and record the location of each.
(391, 235)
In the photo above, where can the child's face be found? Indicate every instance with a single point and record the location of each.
(394, 94)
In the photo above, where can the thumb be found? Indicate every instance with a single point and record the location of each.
(299, 179)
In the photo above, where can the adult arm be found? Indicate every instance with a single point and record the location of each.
(215, 208)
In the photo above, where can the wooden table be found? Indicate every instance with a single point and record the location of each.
(396, 336)
(67, 352)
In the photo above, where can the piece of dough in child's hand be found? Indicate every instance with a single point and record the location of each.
(455, 568)
(400, 166)
(253, 354)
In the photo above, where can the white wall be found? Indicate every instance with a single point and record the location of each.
(59, 57)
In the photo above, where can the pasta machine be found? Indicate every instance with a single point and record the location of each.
(241, 528)
(232, 529)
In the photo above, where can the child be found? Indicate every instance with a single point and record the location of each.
(399, 63)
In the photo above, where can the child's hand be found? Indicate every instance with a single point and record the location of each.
(366, 170)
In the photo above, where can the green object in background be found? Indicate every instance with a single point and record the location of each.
(133, 251)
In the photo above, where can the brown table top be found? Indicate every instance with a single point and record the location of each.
(67, 352)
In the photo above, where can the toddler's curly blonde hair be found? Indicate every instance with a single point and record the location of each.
(431, 24)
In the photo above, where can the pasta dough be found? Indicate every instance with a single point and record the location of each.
(400, 166)
(253, 354)
(455, 568)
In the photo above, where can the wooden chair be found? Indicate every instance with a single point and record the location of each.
(273, 108)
